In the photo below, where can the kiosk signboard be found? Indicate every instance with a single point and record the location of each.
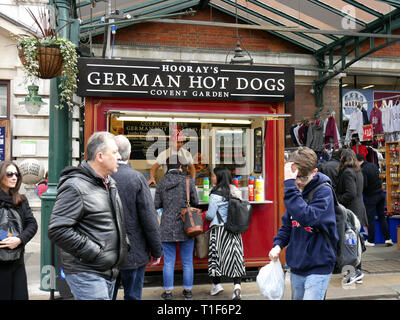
(182, 80)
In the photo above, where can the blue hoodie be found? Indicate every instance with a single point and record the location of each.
(307, 251)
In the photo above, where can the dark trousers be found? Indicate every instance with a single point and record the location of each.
(13, 282)
(376, 203)
(132, 281)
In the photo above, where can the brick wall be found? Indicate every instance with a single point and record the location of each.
(191, 36)
(304, 107)
(389, 51)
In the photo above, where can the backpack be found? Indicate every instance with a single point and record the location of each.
(350, 245)
(239, 215)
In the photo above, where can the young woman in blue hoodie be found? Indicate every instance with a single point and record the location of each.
(308, 254)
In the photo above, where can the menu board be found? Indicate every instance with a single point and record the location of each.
(144, 134)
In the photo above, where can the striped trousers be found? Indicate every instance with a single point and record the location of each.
(225, 255)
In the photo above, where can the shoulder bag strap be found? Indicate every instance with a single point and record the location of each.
(187, 193)
(219, 217)
(308, 200)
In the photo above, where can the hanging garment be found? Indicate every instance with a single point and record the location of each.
(396, 118)
(365, 116)
(306, 129)
(315, 136)
(376, 120)
(372, 156)
(387, 119)
(301, 135)
(355, 125)
(293, 136)
(296, 134)
(360, 149)
(331, 132)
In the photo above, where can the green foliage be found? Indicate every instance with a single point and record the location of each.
(48, 38)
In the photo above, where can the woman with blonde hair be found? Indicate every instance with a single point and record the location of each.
(13, 281)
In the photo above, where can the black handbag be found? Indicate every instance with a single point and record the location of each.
(10, 225)
(191, 217)
(201, 244)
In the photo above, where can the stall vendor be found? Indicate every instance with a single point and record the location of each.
(174, 154)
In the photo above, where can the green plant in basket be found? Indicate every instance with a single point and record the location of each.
(45, 55)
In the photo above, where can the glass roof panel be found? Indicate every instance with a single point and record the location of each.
(333, 15)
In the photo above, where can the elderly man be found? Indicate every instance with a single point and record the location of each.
(87, 221)
(141, 223)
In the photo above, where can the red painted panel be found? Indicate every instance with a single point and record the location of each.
(258, 239)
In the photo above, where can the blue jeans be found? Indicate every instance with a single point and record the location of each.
(132, 281)
(186, 252)
(90, 286)
(311, 287)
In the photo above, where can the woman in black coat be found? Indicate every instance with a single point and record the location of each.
(350, 183)
(349, 189)
(13, 281)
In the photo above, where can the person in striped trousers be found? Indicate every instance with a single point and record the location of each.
(225, 257)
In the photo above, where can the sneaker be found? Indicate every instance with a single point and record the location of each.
(358, 276)
(166, 295)
(369, 244)
(237, 292)
(187, 294)
(348, 281)
(217, 288)
(388, 243)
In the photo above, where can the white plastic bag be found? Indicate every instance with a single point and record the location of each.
(271, 280)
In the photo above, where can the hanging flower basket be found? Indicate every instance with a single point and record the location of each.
(45, 55)
(50, 61)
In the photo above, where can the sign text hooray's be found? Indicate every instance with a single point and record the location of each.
(178, 80)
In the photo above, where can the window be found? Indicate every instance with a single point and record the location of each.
(212, 141)
(4, 99)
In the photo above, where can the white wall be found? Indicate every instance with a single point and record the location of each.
(25, 127)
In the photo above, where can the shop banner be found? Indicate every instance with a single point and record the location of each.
(351, 98)
(181, 80)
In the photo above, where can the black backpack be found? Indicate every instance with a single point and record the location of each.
(239, 215)
(351, 244)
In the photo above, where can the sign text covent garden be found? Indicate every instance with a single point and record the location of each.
(181, 80)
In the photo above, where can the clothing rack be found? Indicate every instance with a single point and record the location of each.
(329, 112)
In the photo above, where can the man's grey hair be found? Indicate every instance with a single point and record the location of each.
(124, 147)
(97, 143)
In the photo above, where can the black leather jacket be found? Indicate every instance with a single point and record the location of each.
(87, 223)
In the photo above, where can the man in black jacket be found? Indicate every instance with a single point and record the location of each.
(141, 223)
(374, 201)
(87, 221)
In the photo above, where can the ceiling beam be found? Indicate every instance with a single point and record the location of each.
(269, 20)
(286, 16)
(393, 3)
(277, 28)
(338, 12)
(364, 8)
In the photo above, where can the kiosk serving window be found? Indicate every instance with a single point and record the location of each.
(212, 141)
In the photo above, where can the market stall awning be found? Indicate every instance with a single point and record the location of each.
(335, 16)
(326, 15)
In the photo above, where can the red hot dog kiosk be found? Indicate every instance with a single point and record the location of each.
(230, 115)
